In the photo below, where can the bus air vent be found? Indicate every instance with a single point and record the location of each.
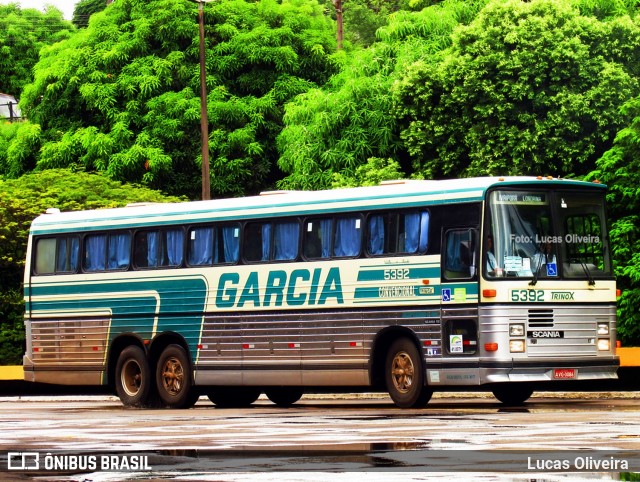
(540, 318)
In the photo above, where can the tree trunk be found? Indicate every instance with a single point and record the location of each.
(338, 6)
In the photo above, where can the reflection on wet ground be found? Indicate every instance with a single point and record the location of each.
(329, 439)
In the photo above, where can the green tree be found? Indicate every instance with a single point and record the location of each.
(527, 87)
(121, 96)
(372, 173)
(337, 128)
(84, 9)
(619, 168)
(19, 144)
(22, 34)
(22, 200)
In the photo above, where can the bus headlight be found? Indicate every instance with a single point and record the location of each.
(604, 344)
(603, 328)
(516, 330)
(516, 346)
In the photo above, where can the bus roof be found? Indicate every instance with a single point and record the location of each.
(400, 193)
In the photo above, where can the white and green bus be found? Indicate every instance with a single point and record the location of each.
(408, 287)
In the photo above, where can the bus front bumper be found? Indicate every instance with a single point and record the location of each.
(540, 371)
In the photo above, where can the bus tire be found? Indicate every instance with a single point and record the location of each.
(233, 397)
(133, 377)
(173, 378)
(513, 394)
(405, 376)
(284, 396)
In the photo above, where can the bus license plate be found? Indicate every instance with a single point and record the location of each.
(564, 373)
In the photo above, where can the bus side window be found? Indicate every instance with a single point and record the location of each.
(200, 247)
(154, 249)
(119, 251)
(398, 233)
(102, 252)
(376, 234)
(57, 255)
(347, 238)
(285, 240)
(45, 256)
(256, 243)
(172, 248)
(227, 244)
(95, 252)
(316, 242)
(414, 232)
(67, 253)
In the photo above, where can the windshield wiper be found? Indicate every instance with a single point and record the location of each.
(537, 267)
(592, 282)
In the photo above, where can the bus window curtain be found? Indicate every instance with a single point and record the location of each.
(347, 238)
(412, 232)
(152, 249)
(201, 247)
(62, 256)
(119, 251)
(175, 247)
(95, 253)
(325, 237)
(376, 234)
(266, 241)
(424, 232)
(285, 241)
(231, 241)
(457, 260)
(67, 258)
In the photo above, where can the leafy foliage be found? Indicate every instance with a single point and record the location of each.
(619, 168)
(372, 173)
(121, 95)
(22, 200)
(530, 87)
(339, 127)
(22, 34)
(12, 341)
(84, 9)
(19, 145)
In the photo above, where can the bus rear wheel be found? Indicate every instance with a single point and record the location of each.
(513, 394)
(284, 396)
(404, 375)
(133, 377)
(173, 378)
(233, 397)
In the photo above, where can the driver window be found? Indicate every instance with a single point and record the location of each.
(460, 254)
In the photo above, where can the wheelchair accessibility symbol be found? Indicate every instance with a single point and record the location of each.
(446, 294)
(552, 269)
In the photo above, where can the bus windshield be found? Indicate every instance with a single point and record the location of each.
(543, 234)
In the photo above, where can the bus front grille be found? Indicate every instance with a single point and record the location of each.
(541, 318)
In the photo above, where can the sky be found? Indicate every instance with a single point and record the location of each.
(65, 6)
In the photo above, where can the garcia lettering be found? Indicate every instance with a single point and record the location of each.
(299, 287)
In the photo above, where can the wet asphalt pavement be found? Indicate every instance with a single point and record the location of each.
(558, 436)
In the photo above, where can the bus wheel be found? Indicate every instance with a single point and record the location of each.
(233, 397)
(513, 394)
(173, 377)
(404, 375)
(284, 396)
(133, 377)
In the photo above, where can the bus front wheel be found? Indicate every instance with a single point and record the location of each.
(133, 377)
(404, 375)
(173, 378)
